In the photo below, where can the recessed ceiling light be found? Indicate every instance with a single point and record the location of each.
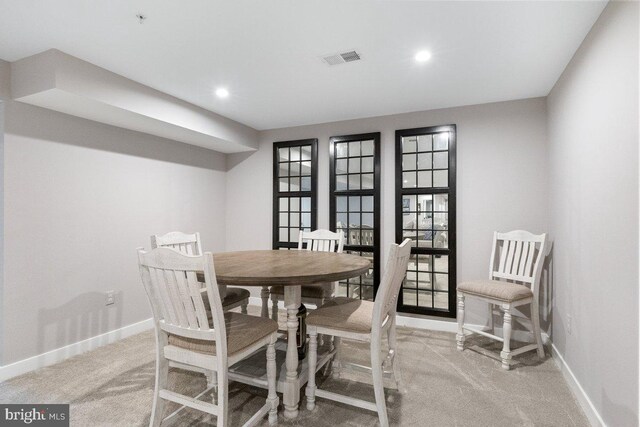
(222, 92)
(423, 56)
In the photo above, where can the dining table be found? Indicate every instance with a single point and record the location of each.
(291, 269)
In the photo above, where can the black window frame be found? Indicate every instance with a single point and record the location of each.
(375, 192)
(277, 194)
(450, 251)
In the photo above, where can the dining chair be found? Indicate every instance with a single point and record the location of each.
(190, 336)
(364, 321)
(513, 282)
(190, 244)
(321, 241)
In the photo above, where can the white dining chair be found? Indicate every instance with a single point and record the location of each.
(363, 321)
(321, 241)
(514, 280)
(188, 335)
(190, 244)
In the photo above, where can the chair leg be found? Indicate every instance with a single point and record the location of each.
(460, 334)
(162, 373)
(378, 385)
(223, 398)
(336, 366)
(243, 307)
(272, 398)
(491, 324)
(393, 351)
(313, 360)
(535, 319)
(212, 380)
(505, 354)
(274, 308)
(264, 295)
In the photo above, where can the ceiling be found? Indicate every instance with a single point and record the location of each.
(268, 53)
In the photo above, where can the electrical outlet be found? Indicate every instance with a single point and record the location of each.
(111, 298)
(569, 324)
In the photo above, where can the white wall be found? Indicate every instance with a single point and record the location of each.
(593, 158)
(79, 197)
(501, 173)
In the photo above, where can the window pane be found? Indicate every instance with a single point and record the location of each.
(354, 220)
(341, 182)
(354, 182)
(425, 142)
(367, 148)
(341, 149)
(306, 204)
(424, 179)
(440, 178)
(441, 160)
(294, 204)
(341, 220)
(354, 165)
(284, 235)
(294, 169)
(305, 152)
(409, 180)
(294, 234)
(284, 184)
(294, 153)
(283, 169)
(367, 164)
(284, 204)
(441, 203)
(294, 184)
(354, 203)
(354, 149)
(441, 141)
(367, 181)
(305, 168)
(305, 183)
(341, 204)
(367, 203)
(341, 166)
(424, 161)
(409, 144)
(294, 219)
(441, 263)
(284, 220)
(367, 219)
(283, 154)
(306, 220)
(408, 162)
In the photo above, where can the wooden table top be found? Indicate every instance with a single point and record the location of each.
(287, 268)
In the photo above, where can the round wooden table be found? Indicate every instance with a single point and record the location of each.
(291, 269)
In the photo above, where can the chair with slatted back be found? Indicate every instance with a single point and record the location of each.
(364, 321)
(190, 244)
(196, 339)
(321, 241)
(515, 269)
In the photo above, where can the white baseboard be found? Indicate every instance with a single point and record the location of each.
(587, 406)
(60, 354)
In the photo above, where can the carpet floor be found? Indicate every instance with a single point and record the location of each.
(113, 386)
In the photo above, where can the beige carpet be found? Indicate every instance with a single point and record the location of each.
(112, 386)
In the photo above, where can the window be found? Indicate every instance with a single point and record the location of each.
(425, 213)
(295, 183)
(355, 205)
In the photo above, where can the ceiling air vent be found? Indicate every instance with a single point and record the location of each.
(341, 58)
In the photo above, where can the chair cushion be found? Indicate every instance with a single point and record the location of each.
(242, 331)
(234, 295)
(322, 290)
(503, 291)
(344, 314)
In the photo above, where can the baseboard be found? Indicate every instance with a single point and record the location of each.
(587, 406)
(60, 354)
